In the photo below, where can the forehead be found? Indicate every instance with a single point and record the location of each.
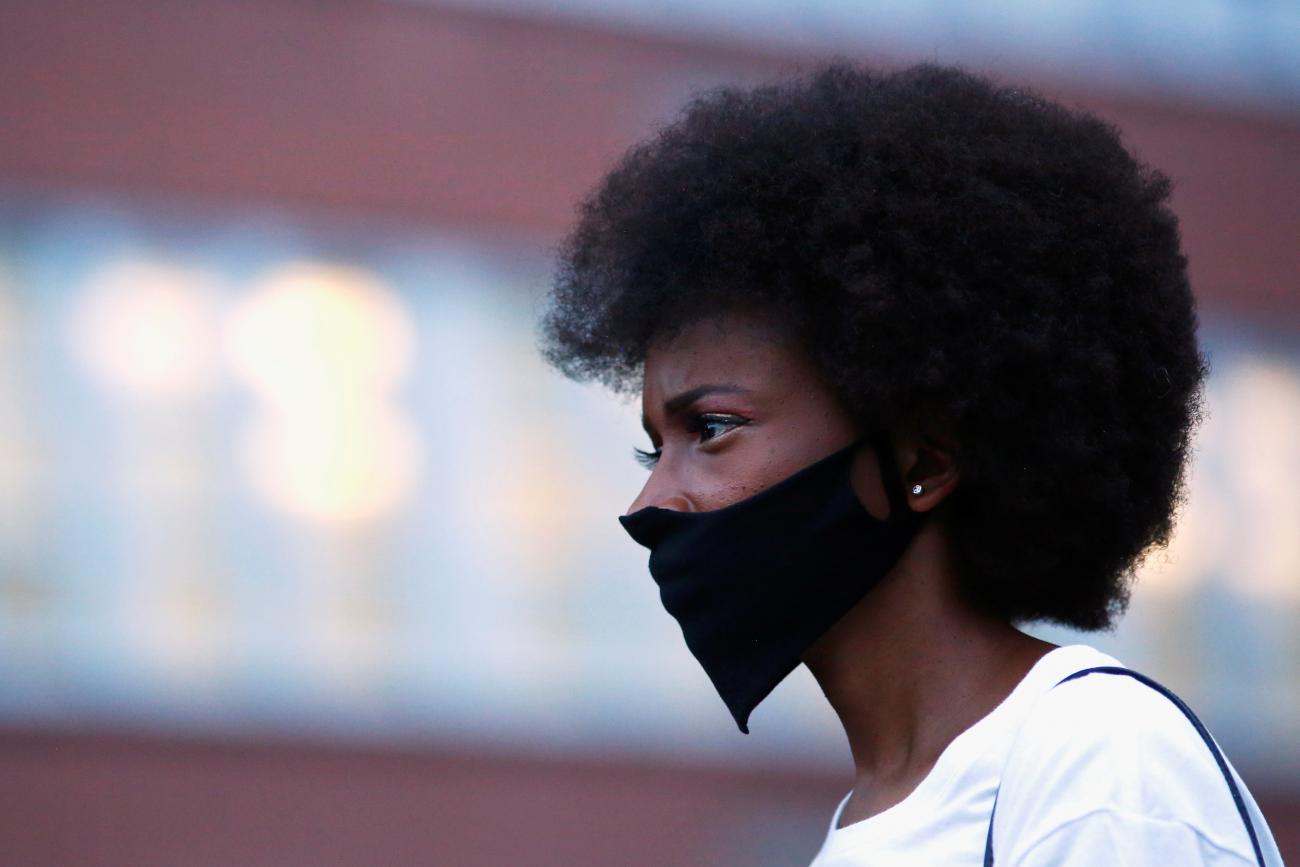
(736, 348)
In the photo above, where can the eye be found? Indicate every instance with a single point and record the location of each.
(710, 425)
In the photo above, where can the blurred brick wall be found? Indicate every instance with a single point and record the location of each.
(488, 122)
(97, 800)
(102, 800)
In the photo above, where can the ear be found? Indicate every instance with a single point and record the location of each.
(930, 459)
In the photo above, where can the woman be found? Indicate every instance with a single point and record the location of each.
(918, 362)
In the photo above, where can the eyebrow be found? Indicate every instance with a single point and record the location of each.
(679, 403)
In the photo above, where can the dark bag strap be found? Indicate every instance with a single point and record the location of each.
(1200, 730)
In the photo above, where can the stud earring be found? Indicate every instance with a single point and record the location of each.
(916, 489)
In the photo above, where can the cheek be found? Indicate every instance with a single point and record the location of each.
(721, 480)
(726, 494)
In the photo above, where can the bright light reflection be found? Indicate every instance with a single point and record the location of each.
(321, 347)
(1239, 524)
(148, 328)
(309, 333)
(1265, 449)
(345, 467)
(1202, 539)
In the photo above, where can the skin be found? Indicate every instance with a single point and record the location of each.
(732, 408)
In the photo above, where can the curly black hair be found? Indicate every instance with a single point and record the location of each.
(945, 249)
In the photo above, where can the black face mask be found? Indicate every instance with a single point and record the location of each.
(755, 583)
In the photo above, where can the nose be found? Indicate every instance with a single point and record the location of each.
(658, 492)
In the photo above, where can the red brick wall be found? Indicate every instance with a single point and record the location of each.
(489, 123)
(112, 800)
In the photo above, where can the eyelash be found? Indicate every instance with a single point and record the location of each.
(697, 424)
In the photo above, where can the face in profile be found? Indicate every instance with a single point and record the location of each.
(731, 407)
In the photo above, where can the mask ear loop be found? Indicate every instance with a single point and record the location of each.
(892, 479)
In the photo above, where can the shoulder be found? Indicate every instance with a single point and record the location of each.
(1115, 727)
(1106, 751)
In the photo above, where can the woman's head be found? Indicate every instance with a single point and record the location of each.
(943, 256)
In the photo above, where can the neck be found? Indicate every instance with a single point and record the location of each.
(911, 667)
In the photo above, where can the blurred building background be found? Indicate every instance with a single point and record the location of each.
(306, 558)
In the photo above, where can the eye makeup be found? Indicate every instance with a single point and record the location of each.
(707, 425)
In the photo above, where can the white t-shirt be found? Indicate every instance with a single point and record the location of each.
(1102, 770)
